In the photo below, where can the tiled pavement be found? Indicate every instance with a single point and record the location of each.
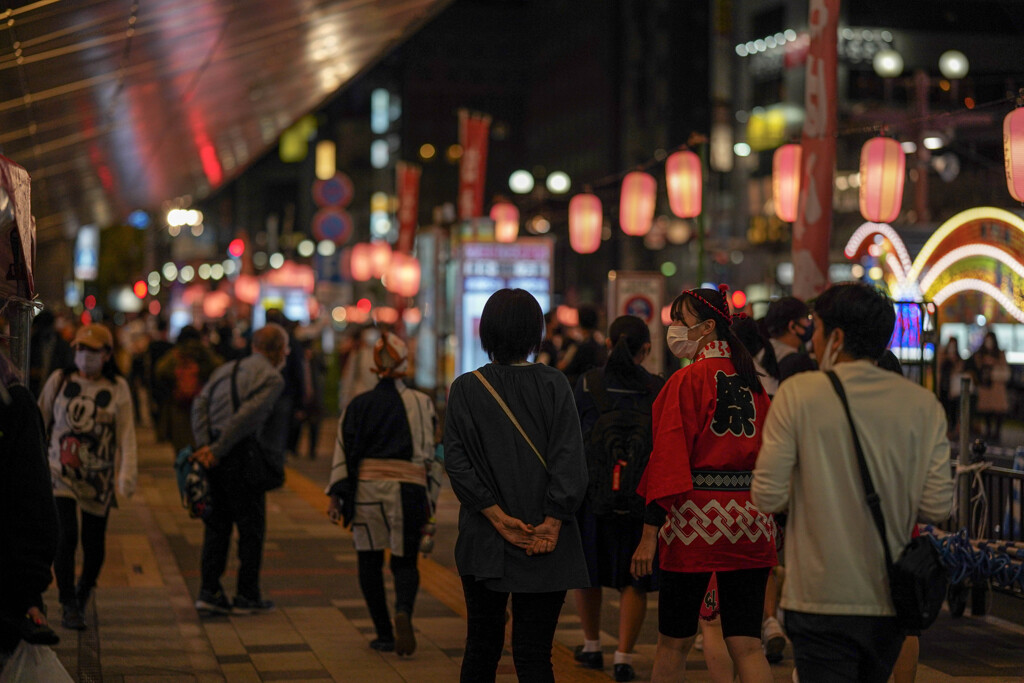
(143, 628)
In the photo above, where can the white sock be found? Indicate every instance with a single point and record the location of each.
(591, 645)
(623, 657)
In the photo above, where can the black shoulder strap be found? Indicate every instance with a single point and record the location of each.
(593, 383)
(874, 502)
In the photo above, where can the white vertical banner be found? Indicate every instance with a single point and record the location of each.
(640, 293)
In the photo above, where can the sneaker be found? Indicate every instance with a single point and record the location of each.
(382, 645)
(405, 639)
(773, 640)
(624, 672)
(71, 617)
(698, 644)
(243, 605)
(209, 605)
(589, 660)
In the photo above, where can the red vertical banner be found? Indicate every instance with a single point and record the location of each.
(812, 230)
(407, 186)
(473, 131)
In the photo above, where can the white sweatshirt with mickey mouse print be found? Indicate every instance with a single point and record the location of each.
(91, 439)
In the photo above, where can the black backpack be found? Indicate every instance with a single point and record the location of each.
(617, 448)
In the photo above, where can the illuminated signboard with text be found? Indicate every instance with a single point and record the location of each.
(486, 267)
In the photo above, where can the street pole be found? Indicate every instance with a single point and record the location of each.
(963, 513)
(924, 155)
(702, 152)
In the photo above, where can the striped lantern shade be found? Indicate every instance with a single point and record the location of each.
(506, 221)
(636, 203)
(786, 181)
(1013, 152)
(360, 262)
(585, 223)
(882, 171)
(684, 180)
(380, 257)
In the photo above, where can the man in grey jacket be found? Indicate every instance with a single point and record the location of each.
(839, 613)
(219, 427)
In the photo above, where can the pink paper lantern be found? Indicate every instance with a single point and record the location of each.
(360, 262)
(386, 315)
(882, 171)
(786, 181)
(1013, 152)
(684, 179)
(636, 203)
(403, 275)
(585, 223)
(247, 289)
(215, 305)
(506, 221)
(380, 257)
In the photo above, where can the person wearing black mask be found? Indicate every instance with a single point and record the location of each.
(789, 325)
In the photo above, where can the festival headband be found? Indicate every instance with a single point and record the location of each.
(721, 288)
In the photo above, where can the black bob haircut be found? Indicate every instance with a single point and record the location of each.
(783, 311)
(864, 313)
(511, 326)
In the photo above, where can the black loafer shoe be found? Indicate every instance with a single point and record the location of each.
(624, 672)
(589, 660)
(382, 645)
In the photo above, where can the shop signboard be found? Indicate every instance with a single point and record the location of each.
(642, 294)
(484, 268)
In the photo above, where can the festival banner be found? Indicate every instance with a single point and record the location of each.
(407, 187)
(473, 131)
(813, 227)
(642, 294)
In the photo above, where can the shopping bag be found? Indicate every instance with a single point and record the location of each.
(32, 664)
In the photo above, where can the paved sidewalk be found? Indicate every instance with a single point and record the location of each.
(143, 627)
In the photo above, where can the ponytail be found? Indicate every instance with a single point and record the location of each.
(628, 335)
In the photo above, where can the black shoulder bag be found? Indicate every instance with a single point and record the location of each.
(263, 467)
(917, 580)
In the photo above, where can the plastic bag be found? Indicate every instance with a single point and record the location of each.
(32, 663)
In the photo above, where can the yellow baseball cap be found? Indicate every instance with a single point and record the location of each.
(94, 336)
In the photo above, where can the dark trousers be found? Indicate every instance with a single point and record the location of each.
(234, 504)
(534, 618)
(830, 647)
(94, 549)
(371, 582)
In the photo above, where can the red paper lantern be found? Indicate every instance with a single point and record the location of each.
(247, 289)
(1013, 152)
(403, 276)
(786, 181)
(585, 223)
(380, 257)
(506, 221)
(683, 176)
(359, 262)
(636, 203)
(882, 170)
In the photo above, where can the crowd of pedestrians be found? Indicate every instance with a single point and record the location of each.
(577, 468)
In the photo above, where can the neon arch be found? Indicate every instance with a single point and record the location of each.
(906, 281)
(972, 284)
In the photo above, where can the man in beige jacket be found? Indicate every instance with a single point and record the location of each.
(839, 614)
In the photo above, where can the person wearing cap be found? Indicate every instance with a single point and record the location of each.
(383, 458)
(239, 402)
(87, 412)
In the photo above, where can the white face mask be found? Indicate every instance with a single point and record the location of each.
(831, 353)
(679, 344)
(89, 362)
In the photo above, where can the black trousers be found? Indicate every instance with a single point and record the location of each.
(234, 504)
(371, 582)
(534, 618)
(829, 647)
(94, 549)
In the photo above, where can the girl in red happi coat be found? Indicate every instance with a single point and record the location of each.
(708, 421)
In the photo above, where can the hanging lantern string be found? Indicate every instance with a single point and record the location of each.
(937, 117)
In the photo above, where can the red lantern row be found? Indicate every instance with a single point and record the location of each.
(1013, 152)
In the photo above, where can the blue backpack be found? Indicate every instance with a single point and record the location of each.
(193, 485)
